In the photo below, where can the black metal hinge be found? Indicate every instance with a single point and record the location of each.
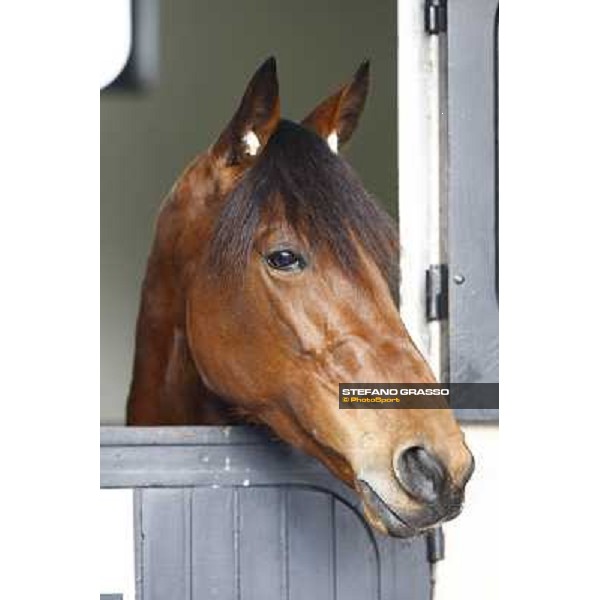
(436, 16)
(436, 292)
(436, 549)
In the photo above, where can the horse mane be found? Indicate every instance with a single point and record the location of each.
(323, 200)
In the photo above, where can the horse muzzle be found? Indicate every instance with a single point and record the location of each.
(424, 495)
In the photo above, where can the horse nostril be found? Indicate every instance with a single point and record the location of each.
(421, 474)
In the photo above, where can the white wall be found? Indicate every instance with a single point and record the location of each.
(470, 569)
(116, 543)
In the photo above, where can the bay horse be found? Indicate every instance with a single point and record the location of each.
(270, 281)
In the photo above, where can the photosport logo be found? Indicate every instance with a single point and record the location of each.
(459, 396)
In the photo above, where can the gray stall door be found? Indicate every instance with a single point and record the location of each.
(226, 513)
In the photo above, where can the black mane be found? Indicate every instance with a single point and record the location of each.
(322, 198)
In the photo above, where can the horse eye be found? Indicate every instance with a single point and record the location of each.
(285, 260)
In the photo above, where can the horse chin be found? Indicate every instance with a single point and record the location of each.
(381, 516)
(389, 522)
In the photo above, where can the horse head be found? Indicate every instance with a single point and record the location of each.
(271, 281)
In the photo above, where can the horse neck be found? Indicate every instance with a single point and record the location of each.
(166, 388)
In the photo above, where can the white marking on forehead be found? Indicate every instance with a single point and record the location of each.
(252, 143)
(332, 141)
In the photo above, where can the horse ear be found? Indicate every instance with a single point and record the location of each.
(255, 119)
(336, 118)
